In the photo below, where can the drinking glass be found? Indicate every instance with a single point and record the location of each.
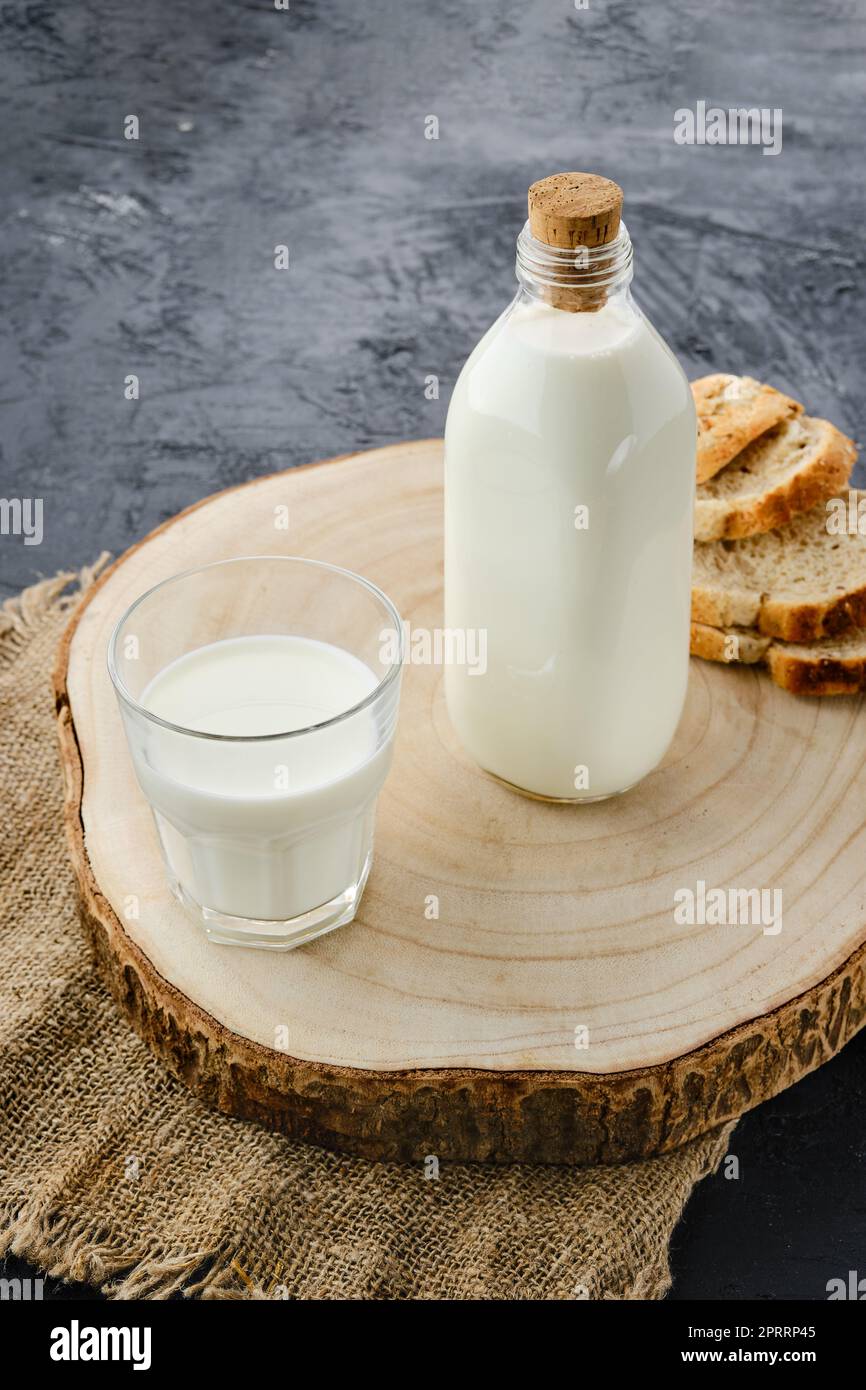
(267, 837)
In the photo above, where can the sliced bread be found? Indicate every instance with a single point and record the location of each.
(787, 470)
(836, 667)
(728, 644)
(801, 582)
(732, 411)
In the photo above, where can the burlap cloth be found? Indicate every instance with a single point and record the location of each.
(112, 1173)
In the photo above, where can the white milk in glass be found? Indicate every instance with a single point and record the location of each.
(569, 478)
(273, 828)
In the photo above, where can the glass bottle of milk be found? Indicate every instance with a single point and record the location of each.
(569, 493)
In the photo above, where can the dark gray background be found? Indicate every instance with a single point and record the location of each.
(307, 128)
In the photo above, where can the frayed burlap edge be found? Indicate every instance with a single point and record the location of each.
(21, 614)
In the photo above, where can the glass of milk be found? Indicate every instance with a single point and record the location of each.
(259, 697)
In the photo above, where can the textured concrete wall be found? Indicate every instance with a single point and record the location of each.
(260, 127)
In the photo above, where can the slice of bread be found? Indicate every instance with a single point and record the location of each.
(836, 667)
(732, 411)
(787, 470)
(728, 644)
(801, 582)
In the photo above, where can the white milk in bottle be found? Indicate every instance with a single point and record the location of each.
(569, 492)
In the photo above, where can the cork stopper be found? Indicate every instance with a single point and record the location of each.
(580, 214)
(569, 210)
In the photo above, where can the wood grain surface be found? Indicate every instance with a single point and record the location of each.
(555, 1009)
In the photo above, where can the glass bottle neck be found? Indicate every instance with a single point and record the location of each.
(578, 279)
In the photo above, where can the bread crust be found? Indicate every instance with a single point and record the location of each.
(730, 646)
(732, 411)
(827, 473)
(725, 607)
(818, 676)
(802, 622)
(793, 668)
(809, 622)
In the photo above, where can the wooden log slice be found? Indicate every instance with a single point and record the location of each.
(555, 1010)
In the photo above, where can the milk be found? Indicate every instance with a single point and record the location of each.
(569, 477)
(274, 828)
